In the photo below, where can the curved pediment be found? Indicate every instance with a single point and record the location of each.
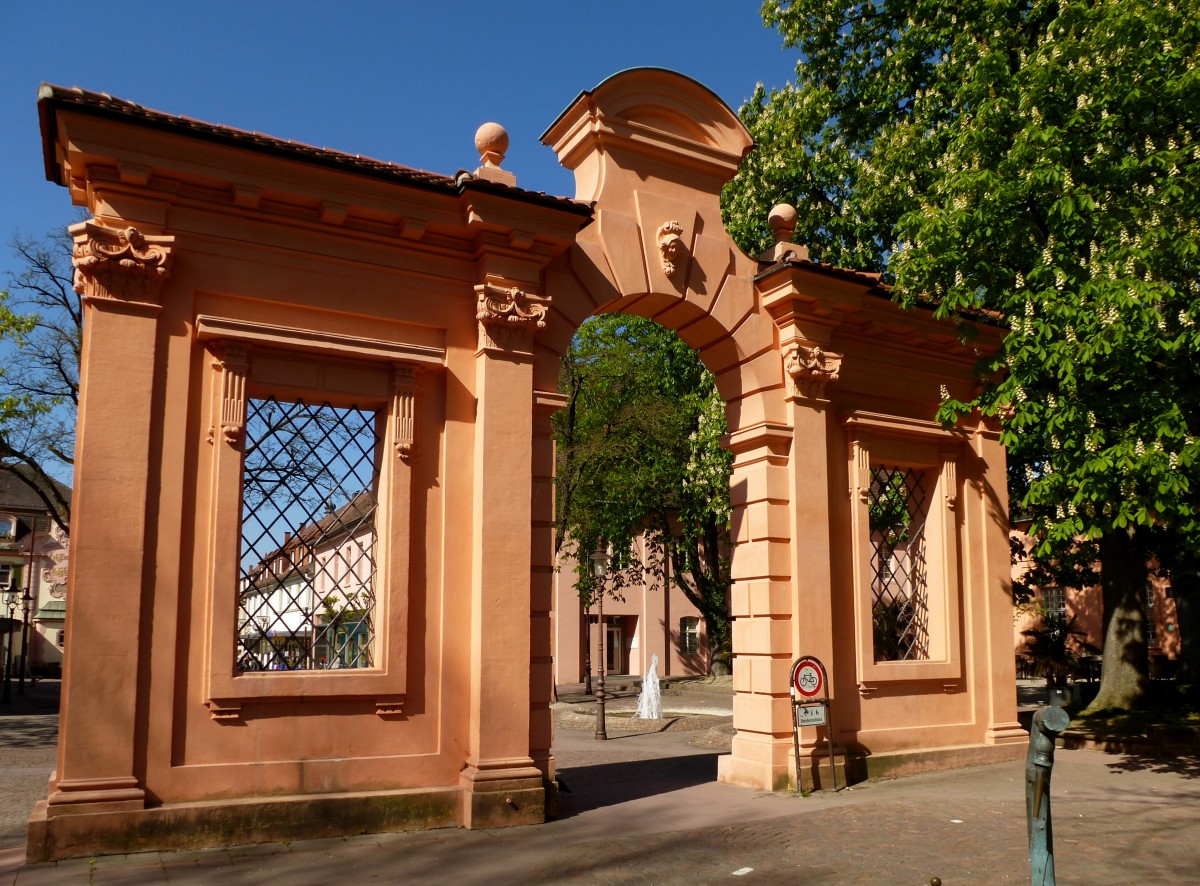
(656, 112)
(673, 103)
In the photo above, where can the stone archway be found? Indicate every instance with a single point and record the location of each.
(651, 149)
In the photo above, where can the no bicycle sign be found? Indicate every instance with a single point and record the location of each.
(810, 707)
(808, 679)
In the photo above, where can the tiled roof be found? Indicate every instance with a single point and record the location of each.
(103, 104)
(867, 278)
(876, 285)
(16, 494)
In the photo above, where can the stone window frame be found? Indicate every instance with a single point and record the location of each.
(876, 439)
(373, 374)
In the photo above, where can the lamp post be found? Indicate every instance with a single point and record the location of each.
(26, 599)
(587, 649)
(600, 559)
(11, 601)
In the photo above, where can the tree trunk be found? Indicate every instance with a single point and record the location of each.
(1125, 671)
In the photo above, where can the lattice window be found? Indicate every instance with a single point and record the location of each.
(897, 505)
(1054, 603)
(308, 540)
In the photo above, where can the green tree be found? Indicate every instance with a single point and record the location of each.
(1037, 159)
(639, 458)
(40, 333)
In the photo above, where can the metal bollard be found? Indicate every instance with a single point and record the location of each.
(1048, 724)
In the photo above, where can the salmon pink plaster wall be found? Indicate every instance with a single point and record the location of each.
(220, 265)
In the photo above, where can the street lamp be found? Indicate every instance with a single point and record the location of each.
(600, 558)
(11, 601)
(587, 648)
(26, 599)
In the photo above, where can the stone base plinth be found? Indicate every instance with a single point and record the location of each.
(894, 764)
(853, 767)
(502, 797)
(223, 823)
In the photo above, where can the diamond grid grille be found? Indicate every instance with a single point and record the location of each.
(307, 599)
(897, 504)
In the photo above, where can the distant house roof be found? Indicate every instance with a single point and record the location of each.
(356, 514)
(17, 495)
(52, 610)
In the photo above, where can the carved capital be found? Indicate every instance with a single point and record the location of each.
(811, 370)
(508, 317)
(671, 245)
(126, 264)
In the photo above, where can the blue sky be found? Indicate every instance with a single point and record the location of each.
(407, 82)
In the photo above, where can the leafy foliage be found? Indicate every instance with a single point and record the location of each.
(40, 331)
(1037, 160)
(1055, 646)
(640, 464)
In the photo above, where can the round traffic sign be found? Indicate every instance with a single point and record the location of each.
(808, 677)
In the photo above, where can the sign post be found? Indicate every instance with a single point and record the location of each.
(810, 706)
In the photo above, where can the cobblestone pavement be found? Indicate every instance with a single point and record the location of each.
(645, 808)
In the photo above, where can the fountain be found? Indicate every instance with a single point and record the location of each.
(650, 698)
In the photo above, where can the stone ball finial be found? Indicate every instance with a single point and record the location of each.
(491, 140)
(782, 221)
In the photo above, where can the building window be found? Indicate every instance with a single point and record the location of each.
(897, 507)
(689, 635)
(8, 527)
(10, 576)
(1054, 603)
(307, 598)
(1151, 617)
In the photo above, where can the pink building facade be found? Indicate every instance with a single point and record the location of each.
(419, 321)
(653, 617)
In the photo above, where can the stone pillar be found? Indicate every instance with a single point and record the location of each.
(541, 583)
(805, 334)
(810, 370)
(987, 509)
(761, 608)
(119, 273)
(501, 783)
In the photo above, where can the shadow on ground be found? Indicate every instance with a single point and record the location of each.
(1188, 767)
(607, 784)
(30, 731)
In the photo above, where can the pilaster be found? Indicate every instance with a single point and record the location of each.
(120, 274)
(501, 784)
(760, 603)
(987, 508)
(811, 369)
